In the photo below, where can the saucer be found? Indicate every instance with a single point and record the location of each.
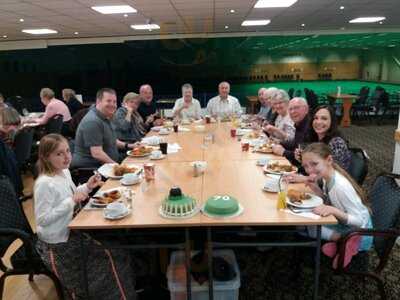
(158, 158)
(121, 216)
(164, 132)
(127, 184)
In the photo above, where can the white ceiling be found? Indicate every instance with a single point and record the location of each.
(188, 17)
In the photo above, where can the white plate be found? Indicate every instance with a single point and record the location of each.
(126, 184)
(156, 128)
(164, 132)
(314, 201)
(152, 140)
(107, 170)
(238, 213)
(129, 153)
(101, 193)
(267, 170)
(158, 158)
(128, 211)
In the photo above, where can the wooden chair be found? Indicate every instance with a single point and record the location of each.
(14, 226)
(385, 205)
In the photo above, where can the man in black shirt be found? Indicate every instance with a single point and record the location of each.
(73, 104)
(148, 108)
(298, 111)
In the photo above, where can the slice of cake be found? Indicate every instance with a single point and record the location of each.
(221, 206)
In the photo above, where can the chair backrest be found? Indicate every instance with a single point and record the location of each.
(384, 197)
(358, 168)
(23, 145)
(54, 125)
(11, 213)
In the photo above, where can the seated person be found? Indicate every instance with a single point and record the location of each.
(10, 120)
(148, 108)
(53, 107)
(187, 107)
(96, 142)
(2, 102)
(73, 104)
(298, 112)
(283, 128)
(224, 105)
(56, 198)
(129, 125)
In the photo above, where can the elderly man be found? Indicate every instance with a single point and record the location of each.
(148, 108)
(187, 107)
(298, 112)
(283, 128)
(224, 105)
(96, 142)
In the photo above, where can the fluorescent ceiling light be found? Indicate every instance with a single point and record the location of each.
(367, 20)
(114, 9)
(39, 31)
(256, 22)
(274, 3)
(145, 26)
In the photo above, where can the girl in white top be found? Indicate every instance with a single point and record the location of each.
(344, 199)
(55, 197)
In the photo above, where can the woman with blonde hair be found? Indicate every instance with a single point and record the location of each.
(56, 197)
(129, 125)
(10, 121)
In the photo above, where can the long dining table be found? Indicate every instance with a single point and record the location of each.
(230, 171)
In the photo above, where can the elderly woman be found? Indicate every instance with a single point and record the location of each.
(128, 123)
(10, 121)
(283, 128)
(267, 112)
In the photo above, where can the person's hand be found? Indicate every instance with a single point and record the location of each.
(79, 197)
(134, 145)
(297, 154)
(295, 178)
(185, 105)
(278, 150)
(94, 181)
(325, 210)
(312, 183)
(150, 119)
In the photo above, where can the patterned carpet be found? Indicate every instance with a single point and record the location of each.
(271, 274)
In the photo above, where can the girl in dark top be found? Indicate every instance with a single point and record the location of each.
(323, 128)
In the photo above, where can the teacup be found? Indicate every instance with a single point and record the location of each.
(130, 178)
(199, 167)
(164, 131)
(115, 209)
(156, 154)
(272, 185)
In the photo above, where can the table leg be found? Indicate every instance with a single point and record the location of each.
(210, 265)
(346, 120)
(84, 257)
(317, 263)
(188, 258)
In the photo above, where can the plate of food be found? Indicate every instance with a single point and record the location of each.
(103, 198)
(279, 167)
(302, 199)
(140, 151)
(116, 171)
(264, 148)
(252, 135)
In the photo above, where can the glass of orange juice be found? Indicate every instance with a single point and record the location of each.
(283, 187)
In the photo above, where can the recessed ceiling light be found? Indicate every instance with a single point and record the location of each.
(21, 20)
(367, 20)
(226, 26)
(39, 31)
(145, 26)
(125, 15)
(114, 9)
(255, 22)
(4, 36)
(391, 46)
(381, 22)
(302, 25)
(274, 3)
(232, 11)
(341, 8)
(76, 32)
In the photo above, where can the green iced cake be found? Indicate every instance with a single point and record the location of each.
(221, 205)
(177, 204)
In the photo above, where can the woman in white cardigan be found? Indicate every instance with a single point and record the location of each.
(56, 196)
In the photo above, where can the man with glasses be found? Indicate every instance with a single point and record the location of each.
(298, 112)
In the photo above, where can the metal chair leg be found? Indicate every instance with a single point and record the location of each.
(2, 281)
(30, 278)
(57, 284)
